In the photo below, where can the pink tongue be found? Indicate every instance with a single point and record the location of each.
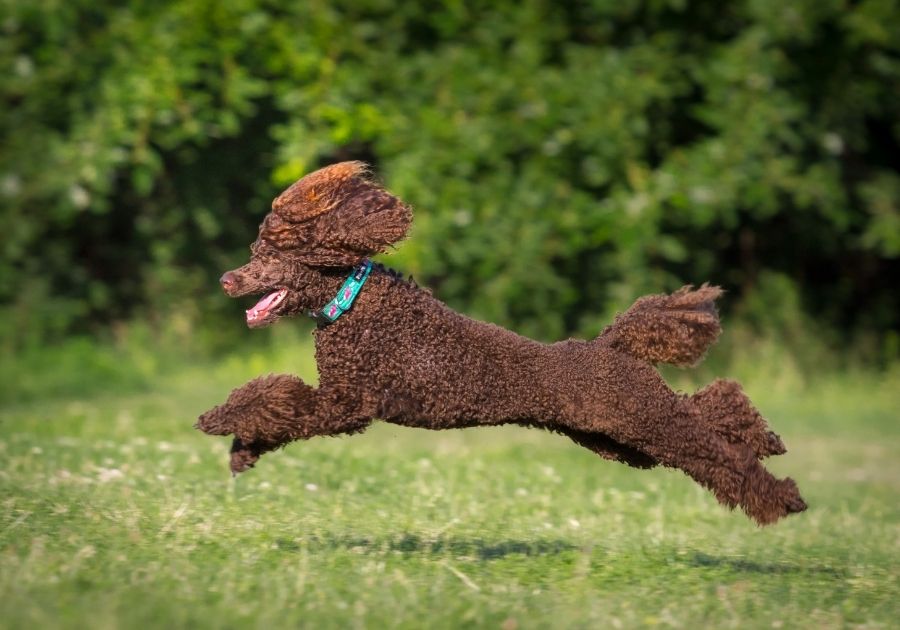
(265, 302)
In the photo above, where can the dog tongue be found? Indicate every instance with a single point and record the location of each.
(265, 302)
(259, 309)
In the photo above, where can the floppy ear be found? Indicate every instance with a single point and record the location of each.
(336, 216)
(368, 222)
(319, 192)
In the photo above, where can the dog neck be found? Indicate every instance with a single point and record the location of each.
(346, 295)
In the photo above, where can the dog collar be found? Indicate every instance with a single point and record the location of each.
(345, 296)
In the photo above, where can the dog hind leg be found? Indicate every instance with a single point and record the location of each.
(671, 429)
(606, 447)
(728, 410)
(730, 471)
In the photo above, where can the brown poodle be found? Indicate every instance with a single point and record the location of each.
(388, 349)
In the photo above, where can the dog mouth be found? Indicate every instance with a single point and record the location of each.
(260, 312)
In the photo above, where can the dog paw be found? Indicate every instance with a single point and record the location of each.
(793, 502)
(773, 445)
(781, 499)
(243, 456)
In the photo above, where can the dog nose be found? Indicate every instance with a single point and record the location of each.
(227, 280)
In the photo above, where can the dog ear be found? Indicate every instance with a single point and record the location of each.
(368, 222)
(336, 216)
(318, 192)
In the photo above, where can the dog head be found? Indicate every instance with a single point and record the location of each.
(324, 224)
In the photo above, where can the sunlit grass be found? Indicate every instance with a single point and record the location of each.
(116, 513)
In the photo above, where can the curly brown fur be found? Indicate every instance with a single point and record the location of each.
(676, 328)
(402, 356)
(727, 409)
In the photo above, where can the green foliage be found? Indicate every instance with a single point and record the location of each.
(132, 357)
(562, 157)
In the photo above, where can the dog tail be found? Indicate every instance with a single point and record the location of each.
(677, 328)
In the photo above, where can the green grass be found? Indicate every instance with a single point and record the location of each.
(115, 513)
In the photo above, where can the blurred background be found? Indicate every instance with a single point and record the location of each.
(562, 158)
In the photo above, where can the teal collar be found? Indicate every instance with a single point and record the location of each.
(345, 296)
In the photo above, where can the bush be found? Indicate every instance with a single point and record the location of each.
(562, 157)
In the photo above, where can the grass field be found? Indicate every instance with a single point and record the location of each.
(117, 514)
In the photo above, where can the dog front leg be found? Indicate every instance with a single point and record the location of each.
(271, 411)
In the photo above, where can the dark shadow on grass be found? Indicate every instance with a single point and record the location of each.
(415, 544)
(742, 565)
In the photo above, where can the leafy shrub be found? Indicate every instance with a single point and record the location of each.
(562, 157)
